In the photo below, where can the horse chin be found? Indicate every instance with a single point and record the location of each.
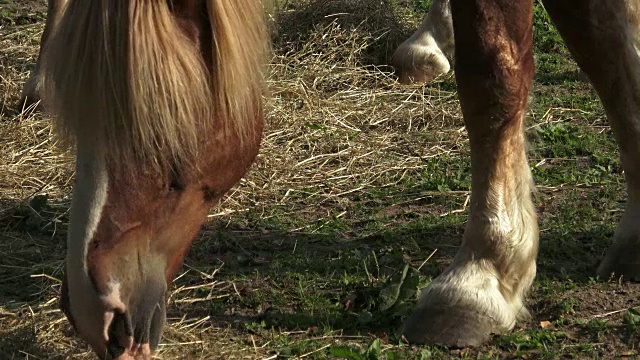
(79, 303)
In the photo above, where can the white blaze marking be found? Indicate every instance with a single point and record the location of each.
(89, 197)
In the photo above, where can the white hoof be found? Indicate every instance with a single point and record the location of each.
(419, 63)
(463, 307)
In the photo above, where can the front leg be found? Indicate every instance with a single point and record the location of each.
(31, 90)
(482, 291)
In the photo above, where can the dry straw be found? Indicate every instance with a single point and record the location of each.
(338, 126)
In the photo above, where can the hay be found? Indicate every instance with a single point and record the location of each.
(338, 126)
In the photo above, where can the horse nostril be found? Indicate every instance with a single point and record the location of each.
(114, 349)
(120, 333)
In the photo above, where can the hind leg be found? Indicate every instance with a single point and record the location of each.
(482, 291)
(599, 35)
(423, 56)
(31, 90)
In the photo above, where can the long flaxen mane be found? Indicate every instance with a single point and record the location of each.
(124, 76)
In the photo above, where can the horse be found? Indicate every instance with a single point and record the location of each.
(162, 101)
(482, 291)
(424, 55)
(131, 82)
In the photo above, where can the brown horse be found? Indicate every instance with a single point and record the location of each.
(163, 101)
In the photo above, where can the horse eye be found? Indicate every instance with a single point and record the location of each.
(176, 182)
(175, 185)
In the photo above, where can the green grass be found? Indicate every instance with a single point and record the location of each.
(577, 222)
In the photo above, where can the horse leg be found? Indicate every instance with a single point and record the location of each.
(421, 57)
(601, 39)
(31, 90)
(481, 292)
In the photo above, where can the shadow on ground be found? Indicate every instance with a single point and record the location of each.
(32, 246)
(268, 267)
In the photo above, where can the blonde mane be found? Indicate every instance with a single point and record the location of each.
(124, 75)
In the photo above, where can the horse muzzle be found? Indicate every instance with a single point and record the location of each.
(120, 326)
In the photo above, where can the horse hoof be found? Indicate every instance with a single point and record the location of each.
(622, 261)
(449, 326)
(30, 97)
(30, 103)
(466, 305)
(409, 77)
(419, 63)
(609, 270)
